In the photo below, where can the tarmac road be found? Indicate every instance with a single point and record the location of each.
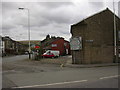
(14, 58)
(95, 83)
(102, 77)
(33, 74)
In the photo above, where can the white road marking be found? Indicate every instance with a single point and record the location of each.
(51, 84)
(109, 77)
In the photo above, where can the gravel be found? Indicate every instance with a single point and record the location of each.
(28, 66)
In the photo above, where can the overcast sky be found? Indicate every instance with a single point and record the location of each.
(54, 18)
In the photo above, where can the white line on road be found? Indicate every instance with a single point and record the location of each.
(51, 84)
(109, 77)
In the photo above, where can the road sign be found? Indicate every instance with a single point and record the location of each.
(37, 46)
(76, 43)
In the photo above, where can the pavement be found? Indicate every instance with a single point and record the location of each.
(91, 65)
(64, 61)
(69, 64)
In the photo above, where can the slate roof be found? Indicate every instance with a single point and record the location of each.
(84, 20)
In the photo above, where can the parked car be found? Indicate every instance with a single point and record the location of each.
(51, 54)
(26, 53)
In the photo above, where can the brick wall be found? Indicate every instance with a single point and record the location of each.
(60, 46)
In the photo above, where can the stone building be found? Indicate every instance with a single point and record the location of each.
(12, 47)
(97, 37)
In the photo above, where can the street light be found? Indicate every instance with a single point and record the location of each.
(28, 28)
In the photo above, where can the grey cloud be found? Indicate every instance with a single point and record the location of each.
(44, 19)
(5, 31)
(52, 18)
(1, 7)
(10, 16)
(54, 4)
(64, 32)
(7, 23)
(39, 22)
(97, 4)
(8, 5)
(58, 15)
(7, 27)
(58, 19)
(39, 17)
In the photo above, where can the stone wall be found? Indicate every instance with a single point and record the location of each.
(97, 34)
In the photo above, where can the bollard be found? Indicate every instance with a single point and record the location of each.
(62, 65)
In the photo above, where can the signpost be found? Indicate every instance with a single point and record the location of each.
(76, 43)
(37, 47)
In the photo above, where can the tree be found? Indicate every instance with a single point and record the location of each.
(48, 36)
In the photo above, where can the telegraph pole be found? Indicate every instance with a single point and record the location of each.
(115, 31)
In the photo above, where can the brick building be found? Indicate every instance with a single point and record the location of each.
(97, 34)
(56, 43)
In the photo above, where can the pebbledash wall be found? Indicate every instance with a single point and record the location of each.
(97, 34)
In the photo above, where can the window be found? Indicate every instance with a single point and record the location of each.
(54, 45)
(65, 44)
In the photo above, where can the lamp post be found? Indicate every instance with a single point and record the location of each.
(28, 28)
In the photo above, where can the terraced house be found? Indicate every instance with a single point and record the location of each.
(12, 47)
(96, 36)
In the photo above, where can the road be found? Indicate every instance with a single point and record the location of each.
(102, 77)
(7, 60)
(53, 76)
(14, 58)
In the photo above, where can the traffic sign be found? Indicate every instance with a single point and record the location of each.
(76, 43)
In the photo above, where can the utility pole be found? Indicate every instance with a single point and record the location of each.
(115, 38)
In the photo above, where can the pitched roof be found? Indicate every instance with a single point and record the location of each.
(51, 40)
(31, 41)
(83, 21)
